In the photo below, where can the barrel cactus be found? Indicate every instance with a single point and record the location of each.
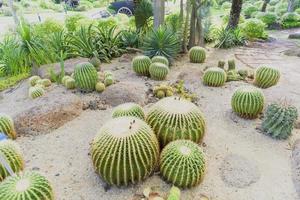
(36, 91)
(174, 193)
(44, 82)
(95, 62)
(158, 71)
(215, 77)
(108, 81)
(100, 87)
(174, 118)
(70, 83)
(160, 59)
(129, 109)
(7, 126)
(63, 80)
(248, 102)
(182, 163)
(125, 151)
(279, 120)
(197, 54)
(141, 64)
(12, 154)
(26, 186)
(85, 76)
(33, 80)
(266, 77)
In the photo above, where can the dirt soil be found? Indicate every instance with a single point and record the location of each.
(242, 163)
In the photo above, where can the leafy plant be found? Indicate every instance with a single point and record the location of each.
(130, 38)
(254, 29)
(71, 22)
(228, 38)
(143, 13)
(47, 27)
(269, 18)
(290, 20)
(10, 81)
(173, 22)
(249, 10)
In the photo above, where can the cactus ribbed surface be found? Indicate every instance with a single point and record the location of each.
(85, 76)
(100, 87)
(141, 64)
(266, 77)
(27, 186)
(7, 126)
(108, 81)
(11, 152)
(173, 118)
(95, 62)
(44, 82)
(158, 71)
(63, 80)
(215, 77)
(231, 65)
(182, 163)
(248, 102)
(279, 120)
(70, 83)
(197, 54)
(36, 91)
(125, 151)
(160, 59)
(174, 193)
(33, 80)
(129, 109)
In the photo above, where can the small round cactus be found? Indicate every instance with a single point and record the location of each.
(266, 77)
(248, 102)
(160, 94)
(173, 118)
(129, 109)
(85, 76)
(100, 87)
(7, 126)
(11, 153)
(125, 151)
(182, 163)
(36, 91)
(215, 77)
(26, 186)
(108, 81)
(174, 193)
(63, 80)
(158, 71)
(197, 54)
(160, 59)
(141, 64)
(33, 80)
(163, 90)
(95, 62)
(70, 83)
(44, 82)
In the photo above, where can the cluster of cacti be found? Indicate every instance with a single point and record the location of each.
(279, 120)
(33, 80)
(182, 163)
(233, 75)
(125, 151)
(36, 91)
(163, 90)
(214, 76)
(108, 78)
(160, 59)
(63, 80)
(95, 62)
(266, 77)
(248, 102)
(100, 87)
(243, 73)
(7, 126)
(141, 64)
(130, 110)
(158, 71)
(43, 82)
(174, 118)
(197, 54)
(12, 155)
(174, 193)
(26, 186)
(85, 76)
(181, 91)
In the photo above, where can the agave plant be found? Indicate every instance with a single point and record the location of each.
(161, 42)
(59, 43)
(130, 38)
(227, 38)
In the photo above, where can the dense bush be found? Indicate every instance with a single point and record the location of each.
(71, 22)
(254, 29)
(225, 19)
(228, 38)
(47, 27)
(274, 2)
(173, 22)
(269, 18)
(281, 8)
(290, 20)
(226, 5)
(249, 10)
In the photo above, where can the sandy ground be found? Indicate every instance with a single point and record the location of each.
(63, 155)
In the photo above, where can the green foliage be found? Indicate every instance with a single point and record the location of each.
(197, 54)
(129, 148)
(173, 22)
(10, 81)
(174, 118)
(279, 120)
(274, 2)
(158, 71)
(225, 19)
(47, 27)
(130, 110)
(161, 42)
(107, 22)
(176, 160)
(297, 11)
(281, 8)
(160, 59)
(269, 18)
(85, 76)
(214, 76)
(228, 38)
(266, 77)
(143, 14)
(71, 21)
(130, 38)
(254, 29)
(226, 5)
(7, 126)
(249, 10)
(290, 20)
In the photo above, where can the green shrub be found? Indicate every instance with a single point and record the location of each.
(130, 38)
(8, 82)
(297, 11)
(271, 8)
(225, 19)
(226, 5)
(274, 2)
(290, 20)
(173, 22)
(107, 22)
(269, 18)
(254, 29)
(258, 4)
(71, 22)
(143, 14)
(228, 38)
(281, 8)
(249, 10)
(47, 27)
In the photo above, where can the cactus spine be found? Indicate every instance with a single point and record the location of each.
(158, 71)
(141, 64)
(248, 102)
(7, 126)
(36, 91)
(125, 151)
(173, 118)
(160, 59)
(129, 109)
(85, 76)
(197, 54)
(182, 163)
(266, 77)
(215, 77)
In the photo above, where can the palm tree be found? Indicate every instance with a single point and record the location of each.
(235, 13)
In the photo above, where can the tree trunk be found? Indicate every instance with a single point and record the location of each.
(159, 12)
(235, 13)
(200, 41)
(181, 11)
(13, 11)
(192, 40)
(291, 6)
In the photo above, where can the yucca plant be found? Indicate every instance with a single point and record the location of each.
(227, 38)
(130, 38)
(59, 43)
(161, 42)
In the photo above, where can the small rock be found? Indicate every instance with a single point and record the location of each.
(294, 36)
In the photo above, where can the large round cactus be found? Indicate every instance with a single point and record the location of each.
(129, 109)
(248, 102)
(7, 126)
(27, 186)
(266, 77)
(182, 163)
(160, 59)
(197, 54)
(85, 76)
(141, 64)
(36, 91)
(125, 151)
(173, 118)
(158, 71)
(214, 76)
(11, 153)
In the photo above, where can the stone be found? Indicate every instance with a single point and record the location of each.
(294, 36)
(191, 77)
(238, 171)
(296, 166)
